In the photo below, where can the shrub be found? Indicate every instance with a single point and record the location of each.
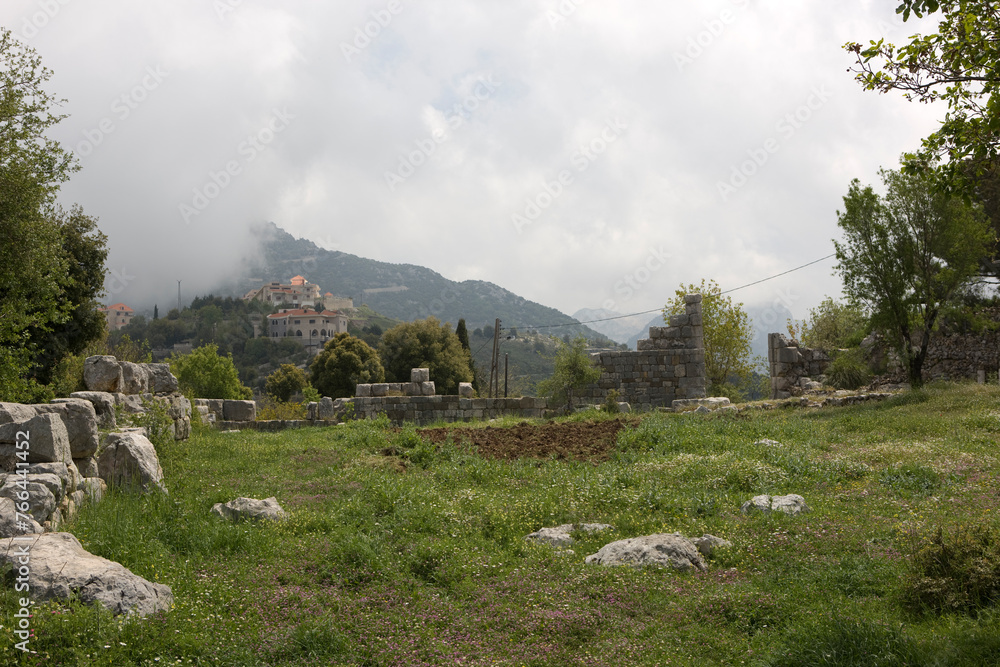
(286, 381)
(849, 370)
(268, 408)
(205, 374)
(956, 572)
(611, 402)
(345, 362)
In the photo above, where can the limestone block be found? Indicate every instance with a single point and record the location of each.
(48, 441)
(669, 550)
(41, 501)
(102, 373)
(161, 380)
(135, 378)
(13, 526)
(80, 419)
(789, 355)
(692, 299)
(16, 412)
(427, 388)
(420, 375)
(380, 389)
(87, 467)
(239, 411)
(129, 459)
(680, 320)
(465, 390)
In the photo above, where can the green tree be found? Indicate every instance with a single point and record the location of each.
(288, 380)
(206, 374)
(574, 370)
(906, 255)
(425, 344)
(729, 365)
(35, 269)
(833, 325)
(956, 65)
(345, 362)
(463, 337)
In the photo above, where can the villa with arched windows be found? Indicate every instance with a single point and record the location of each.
(309, 327)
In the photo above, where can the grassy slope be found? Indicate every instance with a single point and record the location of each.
(429, 566)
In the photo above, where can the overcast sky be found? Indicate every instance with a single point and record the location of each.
(580, 153)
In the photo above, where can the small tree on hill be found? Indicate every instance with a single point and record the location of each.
(574, 370)
(206, 374)
(463, 337)
(345, 362)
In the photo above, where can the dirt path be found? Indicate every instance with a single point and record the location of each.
(581, 441)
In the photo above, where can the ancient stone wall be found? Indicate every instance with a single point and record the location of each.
(793, 367)
(962, 356)
(669, 365)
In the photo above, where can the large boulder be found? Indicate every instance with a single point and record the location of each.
(239, 411)
(60, 569)
(135, 378)
(102, 373)
(129, 460)
(41, 501)
(104, 405)
(250, 509)
(12, 525)
(80, 418)
(48, 441)
(161, 380)
(665, 550)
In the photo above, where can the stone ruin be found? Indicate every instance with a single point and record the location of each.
(794, 368)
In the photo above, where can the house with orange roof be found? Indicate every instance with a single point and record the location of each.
(118, 316)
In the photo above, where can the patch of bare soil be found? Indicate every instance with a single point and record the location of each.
(580, 441)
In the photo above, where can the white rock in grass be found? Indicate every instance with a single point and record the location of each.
(707, 544)
(250, 509)
(768, 443)
(61, 569)
(665, 550)
(559, 536)
(791, 504)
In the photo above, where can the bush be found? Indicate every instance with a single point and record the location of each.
(205, 374)
(268, 408)
(956, 572)
(849, 370)
(344, 363)
(288, 380)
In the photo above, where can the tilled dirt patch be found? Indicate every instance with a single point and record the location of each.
(580, 441)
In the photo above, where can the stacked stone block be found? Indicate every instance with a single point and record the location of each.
(669, 365)
(791, 365)
(423, 410)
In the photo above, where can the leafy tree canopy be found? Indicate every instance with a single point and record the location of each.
(426, 344)
(574, 370)
(832, 325)
(907, 254)
(206, 374)
(345, 362)
(288, 380)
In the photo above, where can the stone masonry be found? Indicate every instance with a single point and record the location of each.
(792, 365)
(669, 365)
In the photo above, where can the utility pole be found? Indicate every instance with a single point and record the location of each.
(178, 296)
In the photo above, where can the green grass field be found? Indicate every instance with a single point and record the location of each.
(420, 559)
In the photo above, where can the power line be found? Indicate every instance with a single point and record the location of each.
(658, 310)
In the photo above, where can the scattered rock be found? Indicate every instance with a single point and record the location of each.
(129, 460)
(250, 509)
(711, 403)
(768, 443)
(559, 536)
(707, 544)
(791, 504)
(662, 549)
(61, 569)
